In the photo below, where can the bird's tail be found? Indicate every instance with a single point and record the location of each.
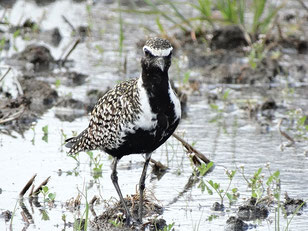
(77, 144)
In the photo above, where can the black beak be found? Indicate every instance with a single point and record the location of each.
(160, 62)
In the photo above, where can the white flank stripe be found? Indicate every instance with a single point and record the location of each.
(176, 102)
(157, 52)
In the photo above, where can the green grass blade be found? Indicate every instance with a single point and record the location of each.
(178, 13)
(150, 3)
(160, 26)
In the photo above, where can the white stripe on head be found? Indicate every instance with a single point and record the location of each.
(158, 52)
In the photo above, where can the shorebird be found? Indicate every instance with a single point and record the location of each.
(135, 117)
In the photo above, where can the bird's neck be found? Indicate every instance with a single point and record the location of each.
(155, 83)
(157, 89)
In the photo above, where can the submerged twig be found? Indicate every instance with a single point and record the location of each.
(191, 149)
(91, 203)
(70, 51)
(13, 116)
(292, 141)
(158, 165)
(27, 186)
(25, 212)
(68, 22)
(37, 190)
(5, 74)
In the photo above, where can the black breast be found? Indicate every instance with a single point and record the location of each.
(146, 141)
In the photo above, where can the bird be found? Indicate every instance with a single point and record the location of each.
(135, 117)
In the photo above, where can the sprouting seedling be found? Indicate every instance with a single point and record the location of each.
(15, 35)
(210, 185)
(47, 195)
(97, 168)
(118, 223)
(58, 83)
(33, 138)
(63, 138)
(45, 131)
(2, 43)
(186, 77)
(168, 227)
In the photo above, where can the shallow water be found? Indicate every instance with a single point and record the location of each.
(230, 141)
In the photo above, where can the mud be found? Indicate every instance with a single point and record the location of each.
(6, 215)
(235, 224)
(252, 212)
(293, 206)
(34, 58)
(115, 212)
(228, 37)
(30, 30)
(35, 99)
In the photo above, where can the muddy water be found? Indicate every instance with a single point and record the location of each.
(229, 138)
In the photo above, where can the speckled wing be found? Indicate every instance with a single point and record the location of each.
(115, 110)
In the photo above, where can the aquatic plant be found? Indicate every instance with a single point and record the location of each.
(230, 12)
(118, 223)
(298, 123)
(96, 161)
(168, 227)
(47, 195)
(211, 186)
(256, 52)
(81, 224)
(45, 133)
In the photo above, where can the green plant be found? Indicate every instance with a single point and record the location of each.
(96, 161)
(256, 53)
(168, 227)
(205, 9)
(298, 124)
(33, 138)
(212, 217)
(45, 133)
(2, 43)
(259, 190)
(90, 16)
(57, 83)
(48, 196)
(13, 214)
(228, 10)
(174, 16)
(118, 223)
(15, 35)
(63, 138)
(81, 223)
(211, 185)
(121, 32)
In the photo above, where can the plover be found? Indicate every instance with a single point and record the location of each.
(135, 117)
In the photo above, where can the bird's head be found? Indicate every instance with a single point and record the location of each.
(157, 57)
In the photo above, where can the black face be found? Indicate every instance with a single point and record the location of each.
(155, 65)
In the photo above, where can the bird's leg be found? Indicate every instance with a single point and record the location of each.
(114, 178)
(142, 184)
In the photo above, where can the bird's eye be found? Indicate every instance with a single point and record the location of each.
(147, 53)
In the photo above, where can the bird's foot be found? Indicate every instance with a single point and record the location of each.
(130, 221)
